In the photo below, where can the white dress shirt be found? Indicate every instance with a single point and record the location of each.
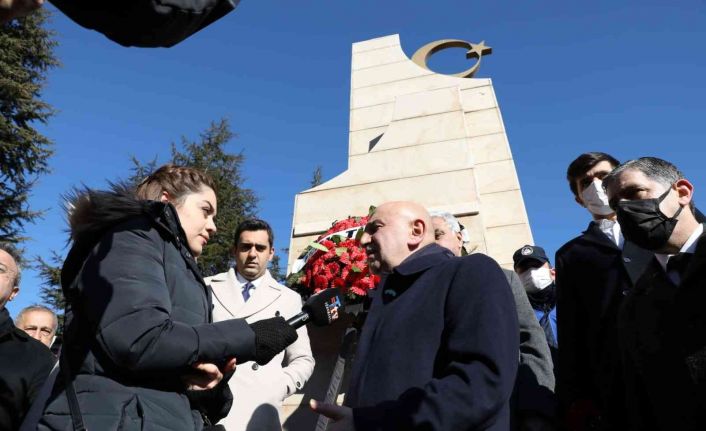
(611, 229)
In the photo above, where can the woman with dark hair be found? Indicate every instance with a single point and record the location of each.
(139, 349)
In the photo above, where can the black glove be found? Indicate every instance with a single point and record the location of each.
(271, 337)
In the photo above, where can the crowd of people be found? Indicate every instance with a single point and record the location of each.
(612, 338)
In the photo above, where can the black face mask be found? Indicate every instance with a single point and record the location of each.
(643, 223)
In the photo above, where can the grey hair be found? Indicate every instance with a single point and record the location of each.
(15, 255)
(448, 218)
(37, 307)
(659, 170)
(655, 169)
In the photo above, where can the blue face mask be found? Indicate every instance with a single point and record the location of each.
(643, 223)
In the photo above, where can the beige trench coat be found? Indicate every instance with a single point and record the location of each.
(258, 391)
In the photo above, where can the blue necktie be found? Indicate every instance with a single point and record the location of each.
(246, 291)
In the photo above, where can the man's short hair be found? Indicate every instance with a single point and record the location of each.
(583, 164)
(253, 224)
(38, 307)
(659, 170)
(15, 255)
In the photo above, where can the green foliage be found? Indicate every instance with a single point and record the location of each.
(50, 274)
(140, 171)
(235, 201)
(316, 178)
(26, 54)
(275, 269)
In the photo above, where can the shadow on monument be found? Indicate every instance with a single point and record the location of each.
(373, 142)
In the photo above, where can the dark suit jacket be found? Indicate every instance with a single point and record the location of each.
(439, 348)
(534, 386)
(662, 331)
(592, 279)
(24, 365)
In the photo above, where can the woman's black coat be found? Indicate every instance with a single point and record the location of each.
(138, 317)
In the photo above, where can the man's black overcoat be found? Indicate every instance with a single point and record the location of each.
(592, 277)
(662, 331)
(439, 349)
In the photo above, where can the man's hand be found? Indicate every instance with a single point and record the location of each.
(207, 375)
(10, 9)
(342, 416)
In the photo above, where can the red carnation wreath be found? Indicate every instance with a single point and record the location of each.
(335, 259)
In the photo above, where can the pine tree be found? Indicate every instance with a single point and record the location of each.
(275, 269)
(235, 202)
(26, 55)
(316, 177)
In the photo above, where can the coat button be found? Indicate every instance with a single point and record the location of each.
(298, 385)
(625, 292)
(277, 313)
(255, 367)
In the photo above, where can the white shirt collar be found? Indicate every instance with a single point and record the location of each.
(688, 247)
(242, 281)
(611, 229)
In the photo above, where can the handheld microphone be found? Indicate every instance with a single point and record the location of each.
(321, 309)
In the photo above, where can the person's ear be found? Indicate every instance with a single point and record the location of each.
(419, 229)
(685, 191)
(164, 198)
(552, 271)
(271, 255)
(15, 291)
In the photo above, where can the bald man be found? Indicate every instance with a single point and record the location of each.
(438, 350)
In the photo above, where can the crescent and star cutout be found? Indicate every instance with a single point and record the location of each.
(475, 50)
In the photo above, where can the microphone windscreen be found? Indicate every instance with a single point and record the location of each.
(323, 306)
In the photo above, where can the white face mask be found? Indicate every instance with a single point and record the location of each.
(595, 199)
(536, 279)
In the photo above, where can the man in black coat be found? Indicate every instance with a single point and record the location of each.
(24, 362)
(591, 280)
(533, 404)
(662, 323)
(439, 348)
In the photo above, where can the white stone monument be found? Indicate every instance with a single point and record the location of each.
(418, 135)
(414, 135)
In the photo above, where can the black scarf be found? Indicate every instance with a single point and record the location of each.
(544, 300)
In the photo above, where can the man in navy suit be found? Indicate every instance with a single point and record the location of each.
(439, 348)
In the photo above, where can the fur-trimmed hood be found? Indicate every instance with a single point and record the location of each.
(91, 213)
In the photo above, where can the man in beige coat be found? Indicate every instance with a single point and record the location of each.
(248, 291)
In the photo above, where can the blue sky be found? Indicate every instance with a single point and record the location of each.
(623, 77)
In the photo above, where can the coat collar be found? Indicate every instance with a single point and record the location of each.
(6, 324)
(698, 261)
(635, 260)
(423, 259)
(226, 289)
(8, 328)
(594, 234)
